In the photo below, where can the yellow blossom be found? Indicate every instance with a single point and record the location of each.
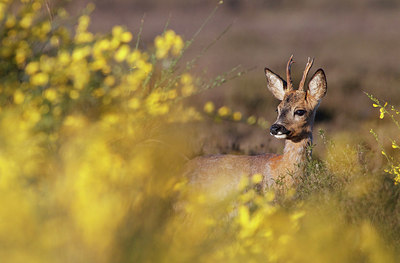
(186, 79)
(177, 46)
(251, 120)
(26, 21)
(32, 68)
(172, 94)
(134, 103)
(10, 22)
(224, 111)
(256, 178)
(244, 215)
(74, 121)
(36, 6)
(188, 90)
(237, 116)
(126, 37)
(54, 41)
(121, 53)
(382, 113)
(117, 31)
(209, 107)
(73, 94)
(2, 10)
(109, 80)
(40, 79)
(50, 94)
(19, 97)
(80, 53)
(64, 58)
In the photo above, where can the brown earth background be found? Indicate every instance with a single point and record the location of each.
(357, 43)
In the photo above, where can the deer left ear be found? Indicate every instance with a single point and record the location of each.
(317, 86)
(275, 84)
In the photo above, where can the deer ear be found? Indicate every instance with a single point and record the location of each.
(317, 86)
(275, 84)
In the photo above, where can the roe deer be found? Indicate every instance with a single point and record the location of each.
(296, 113)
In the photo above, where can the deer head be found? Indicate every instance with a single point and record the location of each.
(296, 112)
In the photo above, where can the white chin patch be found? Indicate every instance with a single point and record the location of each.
(280, 136)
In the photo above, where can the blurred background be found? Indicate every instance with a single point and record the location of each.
(355, 42)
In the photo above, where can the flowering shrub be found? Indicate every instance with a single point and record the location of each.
(80, 121)
(392, 112)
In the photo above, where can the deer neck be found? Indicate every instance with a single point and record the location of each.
(295, 154)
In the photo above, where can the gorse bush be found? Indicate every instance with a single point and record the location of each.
(91, 150)
(81, 118)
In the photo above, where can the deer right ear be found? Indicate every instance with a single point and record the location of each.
(317, 85)
(275, 84)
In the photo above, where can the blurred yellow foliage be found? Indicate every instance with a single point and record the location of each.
(91, 155)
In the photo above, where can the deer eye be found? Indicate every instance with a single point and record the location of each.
(300, 112)
(276, 110)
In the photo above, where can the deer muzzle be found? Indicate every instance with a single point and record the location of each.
(279, 131)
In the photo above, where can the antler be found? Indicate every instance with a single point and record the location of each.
(288, 76)
(305, 73)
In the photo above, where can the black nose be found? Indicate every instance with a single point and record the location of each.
(276, 128)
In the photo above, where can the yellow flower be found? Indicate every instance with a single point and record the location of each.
(126, 37)
(172, 94)
(36, 6)
(161, 47)
(169, 37)
(2, 10)
(74, 121)
(54, 41)
(257, 178)
(10, 22)
(270, 196)
(84, 37)
(168, 42)
(80, 53)
(50, 94)
(98, 64)
(64, 58)
(186, 79)
(109, 80)
(32, 115)
(117, 31)
(26, 21)
(382, 113)
(178, 46)
(19, 97)
(251, 120)
(40, 79)
(188, 90)
(237, 116)
(244, 215)
(98, 92)
(134, 103)
(83, 23)
(32, 68)
(394, 145)
(224, 111)
(209, 107)
(73, 94)
(121, 53)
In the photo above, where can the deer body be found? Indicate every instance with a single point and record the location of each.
(294, 123)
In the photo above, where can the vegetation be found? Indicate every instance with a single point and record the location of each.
(93, 138)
